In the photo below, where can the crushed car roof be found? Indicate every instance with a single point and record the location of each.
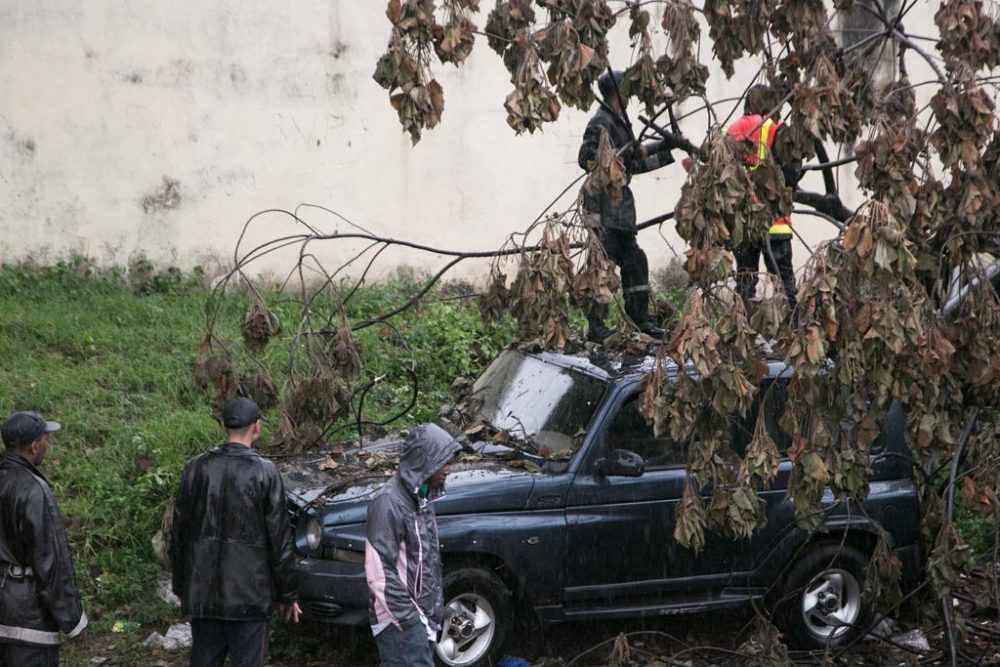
(609, 366)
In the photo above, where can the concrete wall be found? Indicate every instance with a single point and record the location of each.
(132, 126)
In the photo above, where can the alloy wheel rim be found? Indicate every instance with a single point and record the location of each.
(831, 603)
(468, 630)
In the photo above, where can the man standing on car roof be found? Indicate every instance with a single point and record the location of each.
(38, 593)
(231, 546)
(402, 554)
(766, 136)
(614, 220)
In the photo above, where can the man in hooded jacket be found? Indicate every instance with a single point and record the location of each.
(402, 555)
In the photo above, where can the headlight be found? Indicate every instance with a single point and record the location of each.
(314, 534)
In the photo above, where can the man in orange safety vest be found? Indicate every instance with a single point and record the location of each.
(765, 134)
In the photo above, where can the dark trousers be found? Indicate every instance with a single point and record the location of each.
(19, 655)
(778, 262)
(404, 648)
(244, 641)
(623, 249)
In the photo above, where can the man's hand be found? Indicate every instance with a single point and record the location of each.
(682, 143)
(591, 220)
(828, 204)
(674, 140)
(670, 141)
(291, 612)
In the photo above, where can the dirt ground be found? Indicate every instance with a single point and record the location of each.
(692, 641)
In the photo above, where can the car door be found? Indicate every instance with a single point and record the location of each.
(620, 542)
(620, 546)
(748, 555)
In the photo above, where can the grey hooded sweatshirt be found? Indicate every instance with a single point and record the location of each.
(402, 556)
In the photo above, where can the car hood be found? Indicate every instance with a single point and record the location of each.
(476, 484)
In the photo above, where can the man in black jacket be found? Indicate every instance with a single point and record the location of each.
(614, 220)
(38, 594)
(231, 546)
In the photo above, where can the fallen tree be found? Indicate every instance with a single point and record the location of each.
(899, 307)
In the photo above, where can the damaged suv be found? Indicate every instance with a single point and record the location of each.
(586, 531)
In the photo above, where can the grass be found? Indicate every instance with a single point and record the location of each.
(82, 349)
(109, 355)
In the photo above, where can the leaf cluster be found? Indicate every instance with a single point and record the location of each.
(722, 206)
(405, 66)
(966, 120)
(643, 80)
(737, 28)
(453, 41)
(532, 103)
(968, 34)
(679, 67)
(538, 295)
(597, 280)
(259, 324)
(606, 173)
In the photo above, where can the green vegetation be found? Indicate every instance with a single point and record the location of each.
(83, 349)
(108, 353)
(976, 530)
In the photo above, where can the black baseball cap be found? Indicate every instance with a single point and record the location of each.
(25, 427)
(240, 413)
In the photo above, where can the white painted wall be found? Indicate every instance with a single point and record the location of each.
(254, 104)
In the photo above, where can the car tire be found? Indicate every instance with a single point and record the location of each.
(823, 602)
(478, 614)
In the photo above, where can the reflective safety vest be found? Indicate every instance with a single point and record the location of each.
(761, 132)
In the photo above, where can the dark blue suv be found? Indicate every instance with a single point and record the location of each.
(586, 531)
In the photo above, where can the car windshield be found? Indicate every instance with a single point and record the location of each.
(547, 404)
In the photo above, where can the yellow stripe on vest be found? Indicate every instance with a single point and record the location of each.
(762, 143)
(782, 226)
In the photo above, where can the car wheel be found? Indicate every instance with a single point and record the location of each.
(477, 617)
(823, 601)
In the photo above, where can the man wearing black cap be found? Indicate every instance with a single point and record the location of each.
(231, 546)
(614, 220)
(38, 594)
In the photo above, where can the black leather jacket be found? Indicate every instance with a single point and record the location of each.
(231, 542)
(618, 214)
(38, 598)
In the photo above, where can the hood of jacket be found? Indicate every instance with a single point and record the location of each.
(427, 449)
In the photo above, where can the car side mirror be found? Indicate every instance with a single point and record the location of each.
(621, 463)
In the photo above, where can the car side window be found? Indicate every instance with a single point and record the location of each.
(773, 394)
(629, 430)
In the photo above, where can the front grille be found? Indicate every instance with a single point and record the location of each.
(322, 610)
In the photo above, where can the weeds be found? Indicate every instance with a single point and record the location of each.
(109, 353)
